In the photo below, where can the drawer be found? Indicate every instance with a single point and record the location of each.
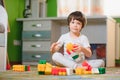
(36, 35)
(35, 57)
(36, 25)
(36, 45)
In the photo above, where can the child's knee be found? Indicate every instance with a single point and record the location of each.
(56, 55)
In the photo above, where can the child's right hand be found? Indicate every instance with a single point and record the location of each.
(54, 47)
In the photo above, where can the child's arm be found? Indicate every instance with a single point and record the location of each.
(86, 51)
(55, 47)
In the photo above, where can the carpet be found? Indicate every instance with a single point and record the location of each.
(111, 74)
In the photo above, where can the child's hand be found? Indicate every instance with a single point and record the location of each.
(77, 48)
(54, 47)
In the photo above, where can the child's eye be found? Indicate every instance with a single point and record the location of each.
(79, 23)
(72, 22)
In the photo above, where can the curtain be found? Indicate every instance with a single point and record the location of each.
(88, 7)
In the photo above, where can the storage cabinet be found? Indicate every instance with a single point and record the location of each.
(39, 33)
(36, 38)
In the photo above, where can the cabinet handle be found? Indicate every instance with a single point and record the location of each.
(37, 35)
(37, 46)
(37, 25)
(36, 56)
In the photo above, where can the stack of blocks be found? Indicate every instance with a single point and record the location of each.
(44, 67)
(48, 69)
(21, 68)
(70, 50)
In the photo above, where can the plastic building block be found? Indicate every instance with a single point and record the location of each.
(21, 68)
(86, 65)
(102, 70)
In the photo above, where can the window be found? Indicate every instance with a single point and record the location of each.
(89, 7)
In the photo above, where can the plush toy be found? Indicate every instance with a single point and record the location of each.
(70, 50)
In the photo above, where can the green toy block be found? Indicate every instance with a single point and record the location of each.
(42, 61)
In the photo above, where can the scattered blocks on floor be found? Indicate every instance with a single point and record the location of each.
(47, 69)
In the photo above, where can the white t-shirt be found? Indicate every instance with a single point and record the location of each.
(66, 38)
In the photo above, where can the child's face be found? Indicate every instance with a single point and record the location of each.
(75, 26)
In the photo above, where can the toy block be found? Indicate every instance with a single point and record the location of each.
(95, 71)
(42, 61)
(55, 71)
(75, 57)
(48, 70)
(86, 65)
(102, 70)
(79, 71)
(69, 71)
(28, 68)
(87, 72)
(41, 72)
(41, 67)
(21, 68)
(69, 46)
(62, 71)
(48, 65)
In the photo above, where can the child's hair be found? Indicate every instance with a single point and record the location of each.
(77, 15)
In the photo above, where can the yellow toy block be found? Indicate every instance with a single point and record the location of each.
(79, 71)
(87, 72)
(41, 67)
(48, 70)
(69, 46)
(19, 68)
(48, 65)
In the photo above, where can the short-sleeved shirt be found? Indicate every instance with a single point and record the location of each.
(66, 38)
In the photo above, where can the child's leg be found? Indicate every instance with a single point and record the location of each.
(59, 59)
(96, 63)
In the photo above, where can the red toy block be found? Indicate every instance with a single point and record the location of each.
(86, 65)
(55, 71)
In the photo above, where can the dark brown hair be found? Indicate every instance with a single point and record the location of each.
(77, 15)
